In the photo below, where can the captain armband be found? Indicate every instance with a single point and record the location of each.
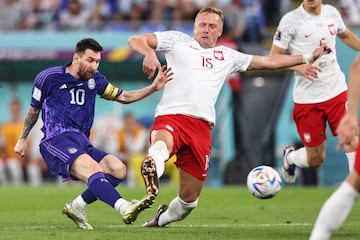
(111, 92)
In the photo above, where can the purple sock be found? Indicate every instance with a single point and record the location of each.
(89, 197)
(102, 189)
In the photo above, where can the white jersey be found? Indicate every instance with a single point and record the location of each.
(301, 33)
(199, 74)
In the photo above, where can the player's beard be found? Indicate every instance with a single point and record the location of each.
(84, 74)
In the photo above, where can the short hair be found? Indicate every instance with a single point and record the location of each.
(88, 43)
(215, 10)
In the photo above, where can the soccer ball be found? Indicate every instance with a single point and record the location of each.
(263, 182)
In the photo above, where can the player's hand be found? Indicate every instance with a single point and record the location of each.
(150, 64)
(348, 131)
(164, 75)
(321, 50)
(309, 71)
(20, 147)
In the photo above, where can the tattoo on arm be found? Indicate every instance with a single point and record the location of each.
(30, 120)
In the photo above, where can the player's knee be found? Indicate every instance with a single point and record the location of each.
(316, 161)
(118, 170)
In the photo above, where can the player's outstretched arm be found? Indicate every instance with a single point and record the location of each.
(30, 120)
(278, 61)
(164, 75)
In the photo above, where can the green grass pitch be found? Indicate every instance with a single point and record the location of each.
(223, 213)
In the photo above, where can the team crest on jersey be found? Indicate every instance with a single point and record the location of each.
(91, 83)
(332, 29)
(307, 137)
(219, 55)
(72, 150)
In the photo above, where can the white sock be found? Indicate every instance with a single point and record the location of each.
(121, 204)
(159, 152)
(334, 212)
(79, 203)
(298, 157)
(178, 210)
(351, 159)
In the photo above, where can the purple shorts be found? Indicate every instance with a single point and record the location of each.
(61, 151)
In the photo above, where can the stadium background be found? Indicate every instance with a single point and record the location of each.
(264, 116)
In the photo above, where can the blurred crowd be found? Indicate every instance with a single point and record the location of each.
(252, 18)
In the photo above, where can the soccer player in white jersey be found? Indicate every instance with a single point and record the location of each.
(336, 209)
(185, 115)
(320, 89)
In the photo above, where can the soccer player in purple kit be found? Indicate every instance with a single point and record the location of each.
(66, 97)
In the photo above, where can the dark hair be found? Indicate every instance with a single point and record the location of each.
(88, 43)
(215, 10)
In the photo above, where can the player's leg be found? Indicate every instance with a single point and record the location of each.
(336, 209)
(336, 110)
(311, 127)
(86, 169)
(193, 162)
(153, 165)
(182, 205)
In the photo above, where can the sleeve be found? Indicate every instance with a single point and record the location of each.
(241, 60)
(167, 39)
(39, 90)
(106, 89)
(284, 33)
(340, 22)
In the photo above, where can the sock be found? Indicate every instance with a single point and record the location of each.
(178, 210)
(102, 189)
(298, 157)
(120, 205)
(89, 197)
(334, 212)
(79, 203)
(351, 159)
(159, 152)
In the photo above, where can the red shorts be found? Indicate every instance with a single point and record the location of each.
(192, 142)
(311, 119)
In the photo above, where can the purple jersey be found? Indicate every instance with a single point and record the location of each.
(67, 103)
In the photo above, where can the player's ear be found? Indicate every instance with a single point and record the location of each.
(76, 57)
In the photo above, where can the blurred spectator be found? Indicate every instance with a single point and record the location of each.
(39, 14)
(35, 165)
(350, 11)
(100, 14)
(10, 15)
(255, 21)
(132, 10)
(10, 132)
(132, 139)
(73, 17)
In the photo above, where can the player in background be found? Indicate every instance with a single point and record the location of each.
(320, 89)
(186, 114)
(10, 130)
(66, 95)
(336, 209)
